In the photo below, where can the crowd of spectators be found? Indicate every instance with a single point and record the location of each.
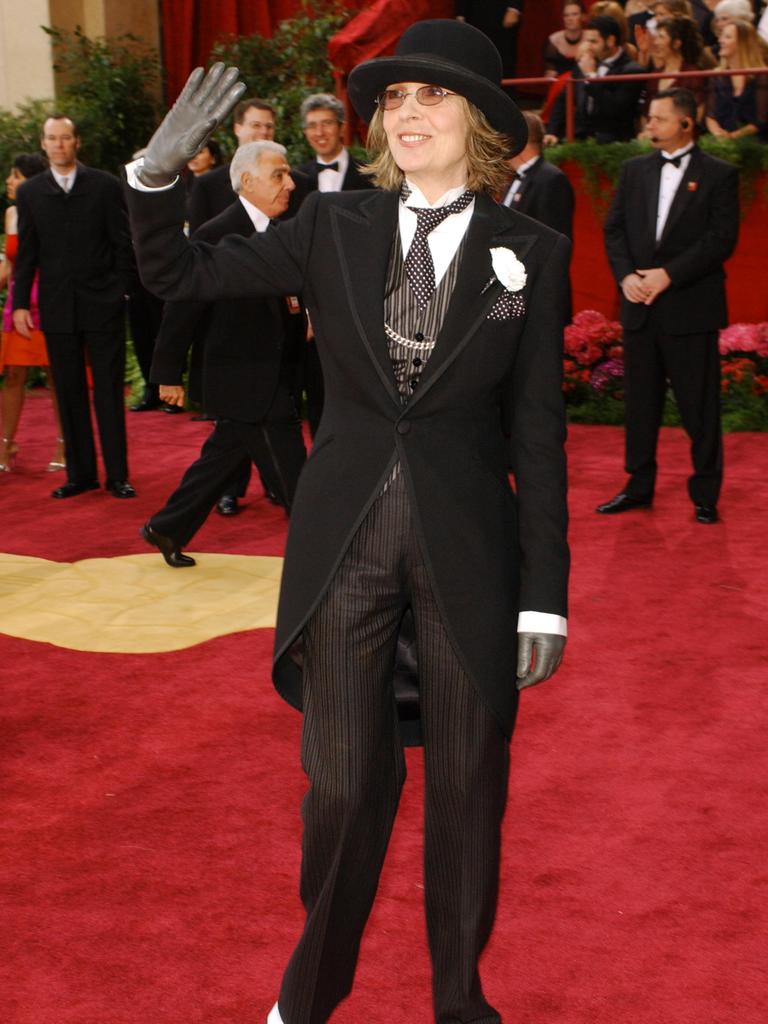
(670, 37)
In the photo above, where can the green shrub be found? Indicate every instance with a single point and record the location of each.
(286, 68)
(110, 93)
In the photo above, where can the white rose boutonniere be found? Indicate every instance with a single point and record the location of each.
(508, 269)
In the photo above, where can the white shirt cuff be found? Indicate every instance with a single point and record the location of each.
(542, 622)
(134, 182)
(274, 1016)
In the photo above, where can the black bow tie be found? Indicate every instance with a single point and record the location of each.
(328, 167)
(674, 160)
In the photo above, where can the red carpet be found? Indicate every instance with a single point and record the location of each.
(149, 844)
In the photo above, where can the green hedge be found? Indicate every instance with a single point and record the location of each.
(110, 93)
(601, 164)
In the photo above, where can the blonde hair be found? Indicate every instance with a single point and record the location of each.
(749, 52)
(487, 153)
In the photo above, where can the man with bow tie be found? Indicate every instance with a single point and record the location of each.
(332, 169)
(538, 188)
(673, 223)
(603, 111)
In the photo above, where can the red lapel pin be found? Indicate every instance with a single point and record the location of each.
(692, 186)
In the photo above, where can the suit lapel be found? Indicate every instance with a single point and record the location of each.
(684, 193)
(50, 185)
(477, 287)
(363, 238)
(81, 181)
(238, 221)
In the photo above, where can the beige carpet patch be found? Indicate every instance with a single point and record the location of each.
(136, 604)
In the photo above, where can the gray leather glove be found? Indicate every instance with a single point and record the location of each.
(548, 648)
(203, 104)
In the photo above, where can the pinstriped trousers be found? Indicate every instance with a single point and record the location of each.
(354, 760)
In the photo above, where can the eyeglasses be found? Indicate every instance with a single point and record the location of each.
(427, 96)
(316, 126)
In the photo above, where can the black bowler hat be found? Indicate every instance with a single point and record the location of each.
(448, 53)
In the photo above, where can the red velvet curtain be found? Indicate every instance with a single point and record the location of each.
(190, 27)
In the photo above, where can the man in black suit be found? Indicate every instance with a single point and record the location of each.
(212, 193)
(673, 223)
(605, 112)
(331, 170)
(73, 230)
(539, 189)
(249, 355)
(254, 120)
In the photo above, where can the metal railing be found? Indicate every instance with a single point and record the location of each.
(569, 84)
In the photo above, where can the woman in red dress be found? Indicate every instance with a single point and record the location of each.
(17, 353)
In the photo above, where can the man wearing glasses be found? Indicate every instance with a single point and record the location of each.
(332, 169)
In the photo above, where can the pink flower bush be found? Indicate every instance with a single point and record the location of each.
(593, 367)
(745, 338)
(594, 357)
(592, 337)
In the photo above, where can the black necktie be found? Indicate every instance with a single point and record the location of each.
(328, 167)
(418, 263)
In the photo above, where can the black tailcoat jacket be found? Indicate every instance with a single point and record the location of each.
(80, 243)
(246, 341)
(490, 551)
(700, 233)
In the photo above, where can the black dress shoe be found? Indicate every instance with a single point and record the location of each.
(120, 488)
(622, 503)
(167, 547)
(273, 498)
(171, 409)
(706, 514)
(227, 506)
(147, 404)
(71, 490)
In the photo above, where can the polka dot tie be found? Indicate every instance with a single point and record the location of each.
(418, 263)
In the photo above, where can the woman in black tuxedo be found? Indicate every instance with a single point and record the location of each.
(433, 307)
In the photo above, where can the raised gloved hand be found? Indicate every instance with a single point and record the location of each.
(538, 657)
(203, 104)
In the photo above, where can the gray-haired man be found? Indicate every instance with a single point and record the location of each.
(250, 348)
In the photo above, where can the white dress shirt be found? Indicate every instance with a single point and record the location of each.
(443, 242)
(259, 219)
(331, 181)
(671, 177)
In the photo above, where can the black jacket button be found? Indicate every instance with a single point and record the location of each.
(403, 427)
